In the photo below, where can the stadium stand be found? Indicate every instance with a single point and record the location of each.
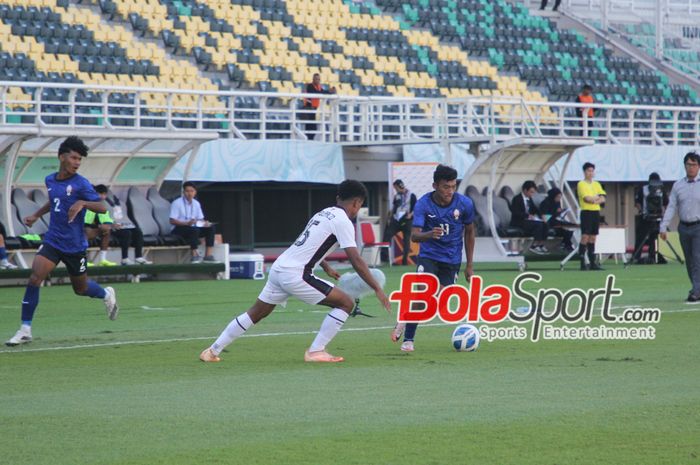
(412, 48)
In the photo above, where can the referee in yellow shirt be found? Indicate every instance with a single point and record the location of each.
(590, 196)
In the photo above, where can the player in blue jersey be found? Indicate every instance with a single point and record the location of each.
(443, 223)
(70, 195)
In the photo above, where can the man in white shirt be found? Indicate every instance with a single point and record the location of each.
(188, 222)
(292, 275)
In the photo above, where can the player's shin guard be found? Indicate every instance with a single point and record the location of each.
(233, 331)
(95, 291)
(329, 328)
(410, 332)
(29, 304)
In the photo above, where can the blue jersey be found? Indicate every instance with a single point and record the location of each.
(62, 235)
(452, 218)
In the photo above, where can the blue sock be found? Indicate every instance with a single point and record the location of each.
(410, 331)
(95, 291)
(3, 253)
(29, 304)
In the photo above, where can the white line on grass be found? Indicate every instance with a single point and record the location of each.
(204, 338)
(186, 339)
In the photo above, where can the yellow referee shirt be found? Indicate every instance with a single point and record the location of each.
(589, 189)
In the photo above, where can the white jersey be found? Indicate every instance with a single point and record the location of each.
(324, 232)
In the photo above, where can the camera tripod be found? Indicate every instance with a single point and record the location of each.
(653, 230)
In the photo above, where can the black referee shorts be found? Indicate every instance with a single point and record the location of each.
(590, 222)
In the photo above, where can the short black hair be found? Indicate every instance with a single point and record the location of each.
(527, 185)
(587, 87)
(101, 189)
(654, 177)
(351, 189)
(691, 156)
(587, 165)
(399, 183)
(188, 184)
(444, 173)
(73, 144)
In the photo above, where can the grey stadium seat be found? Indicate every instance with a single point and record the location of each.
(26, 207)
(141, 213)
(507, 193)
(39, 196)
(161, 213)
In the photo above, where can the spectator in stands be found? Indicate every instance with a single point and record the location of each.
(586, 96)
(685, 199)
(4, 262)
(188, 222)
(543, 5)
(99, 226)
(312, 104)
(554, 213)
(526, 216)
(400, 219)
(121, 228)
(590, 197)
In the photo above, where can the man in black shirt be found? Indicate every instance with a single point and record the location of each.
(401, 219)
(551, 206)
(650, 201)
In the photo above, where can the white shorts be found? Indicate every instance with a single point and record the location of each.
(281, 284)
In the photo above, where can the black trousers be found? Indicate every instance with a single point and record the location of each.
(390, 231)
(132, 237)
(192, 234)
(536, 229)
(310, 128)
(560, 231)
(543, 5)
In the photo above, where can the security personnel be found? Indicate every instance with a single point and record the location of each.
(312, 104)
(685, 200)
(586, 96)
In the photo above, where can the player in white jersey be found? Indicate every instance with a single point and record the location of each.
(292, 275)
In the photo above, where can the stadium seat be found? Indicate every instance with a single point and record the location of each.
(161, 214)
(140, 211)
(369, 242)
(27, 207)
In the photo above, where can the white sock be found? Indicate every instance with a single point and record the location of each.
(102, 256)
(233, 331)
(329, 328)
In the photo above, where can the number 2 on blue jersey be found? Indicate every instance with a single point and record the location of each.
(57, 208)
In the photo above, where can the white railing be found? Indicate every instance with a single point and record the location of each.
(37, 107)
(675, 11)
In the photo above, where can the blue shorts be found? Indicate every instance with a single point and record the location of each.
(446, 273)
(76, 263)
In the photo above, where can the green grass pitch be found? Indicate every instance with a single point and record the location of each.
(91, 391)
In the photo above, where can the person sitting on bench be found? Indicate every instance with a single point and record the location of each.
(526, 216)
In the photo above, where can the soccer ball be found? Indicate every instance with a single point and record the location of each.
(465, 338)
